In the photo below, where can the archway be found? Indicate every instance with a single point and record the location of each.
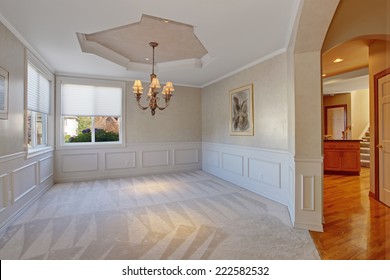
(305, 54)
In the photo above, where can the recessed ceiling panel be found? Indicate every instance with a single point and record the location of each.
(176, 41)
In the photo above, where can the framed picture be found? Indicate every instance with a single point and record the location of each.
(241, 111)
(3, 94)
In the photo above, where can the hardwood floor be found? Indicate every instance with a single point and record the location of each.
(356, 226)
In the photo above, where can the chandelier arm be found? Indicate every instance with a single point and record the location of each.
(141, 107)
(162, 108)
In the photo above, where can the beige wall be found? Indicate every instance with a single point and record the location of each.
(360, 112)
(180, 122)
(270, 106)
(12, 60)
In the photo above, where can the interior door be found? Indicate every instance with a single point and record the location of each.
(336, 121)
(384, 138)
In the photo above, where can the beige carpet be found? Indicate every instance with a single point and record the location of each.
(190, 215)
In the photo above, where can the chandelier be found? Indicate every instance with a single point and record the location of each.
(154, 87)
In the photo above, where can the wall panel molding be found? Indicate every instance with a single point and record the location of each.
(185, 156)
(211, 158)
(22, 180)
(308, 204)
(155, 158)
(263, 171)
(115, 160)
(131, 159)
(307, 193)
(6, 158)
(46, 169)
(233, 163)
(79, 162)
(3, 192)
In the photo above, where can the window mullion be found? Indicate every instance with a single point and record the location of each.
(93, 130)
(33, 130)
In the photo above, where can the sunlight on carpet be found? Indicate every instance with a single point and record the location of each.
(191, 215)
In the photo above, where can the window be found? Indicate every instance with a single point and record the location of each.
(3, 94)
(91, 113)
(38, 107)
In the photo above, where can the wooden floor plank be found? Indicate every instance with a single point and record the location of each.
(356, 226)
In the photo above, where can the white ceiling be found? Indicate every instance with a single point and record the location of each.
(339, 84)
(235, 33)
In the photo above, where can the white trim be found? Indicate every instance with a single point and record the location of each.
(60, 144)
(13, 175)
(10, 157)
(117, 78)
(258, 149)
(309, 159)
(4, 112)
(41, 67)
(21, 175)
(4, 178)
(39, 151)
(39, 169)
(312, 227)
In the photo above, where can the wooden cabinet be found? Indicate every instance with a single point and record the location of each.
(342, 156)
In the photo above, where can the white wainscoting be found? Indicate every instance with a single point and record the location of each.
(3, 192)
(22, 180)
(155, 158)
(186, 156)
(308, 193)
(265, 172)
(77, 163)
(80, 162)
(120, 160)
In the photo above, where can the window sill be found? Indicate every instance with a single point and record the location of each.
(102, 145)
(38, 151)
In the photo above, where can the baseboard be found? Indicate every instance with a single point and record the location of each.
(311, 227)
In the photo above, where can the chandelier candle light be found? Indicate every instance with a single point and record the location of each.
(153, 90)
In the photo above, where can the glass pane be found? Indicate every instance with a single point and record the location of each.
(77, 129)
(29, 129)
(2, 93)
(106, 129)
(39, 129)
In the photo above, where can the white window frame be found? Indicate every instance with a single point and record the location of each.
(34, 145)
(60, 141)
(4, 93)
(45, 72)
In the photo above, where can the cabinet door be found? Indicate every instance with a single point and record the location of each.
(350, 160)
(332, 160)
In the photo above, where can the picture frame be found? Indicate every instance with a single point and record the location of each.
(3, 94)
(241, 111)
